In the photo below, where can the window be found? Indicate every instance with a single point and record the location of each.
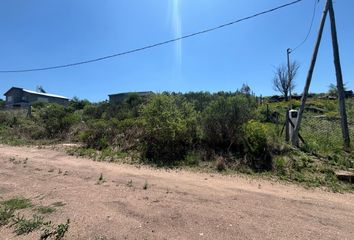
(10, 98)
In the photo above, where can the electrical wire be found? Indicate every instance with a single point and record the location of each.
(153, 45)
(310, 29)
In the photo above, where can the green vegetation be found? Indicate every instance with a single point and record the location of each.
(58, 204)
(17, 203)
(170, 129)
(45, 209)
(6, 214)
(223, 131)
(23, 225)
(58, 232)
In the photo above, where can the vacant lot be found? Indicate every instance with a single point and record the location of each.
(110, 201)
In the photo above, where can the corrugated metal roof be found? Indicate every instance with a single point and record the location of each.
(44, 94)
(127, 93)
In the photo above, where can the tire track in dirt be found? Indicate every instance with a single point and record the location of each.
(176, 204)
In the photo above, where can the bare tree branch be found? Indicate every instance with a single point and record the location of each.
(282, 83)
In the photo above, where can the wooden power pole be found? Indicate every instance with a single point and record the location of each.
(341, 93)
(295, 136)
(339, 76)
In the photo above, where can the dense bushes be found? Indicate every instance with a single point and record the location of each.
(97, 134)
(256, 144)
(225, 131)
(121, 135)
(164, 128)
(56, 120)
(2, 104)
(223, 119)
(170, 128)
(48, 121)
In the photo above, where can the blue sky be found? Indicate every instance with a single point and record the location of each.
(42, 33)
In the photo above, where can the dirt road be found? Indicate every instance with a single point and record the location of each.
(175, 205)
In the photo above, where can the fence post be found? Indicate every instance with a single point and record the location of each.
(287, 137)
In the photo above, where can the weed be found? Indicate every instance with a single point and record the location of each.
(146, 185)
(62, 229)
(6, 214)
(17, 203)
(25, 226)
(60, 171)
(101, 238)
(14, 161)
(220, 164)
(58, 204)
(45, 209)
(101, 179)
(192, 159)
(57, 232)
(130, 183)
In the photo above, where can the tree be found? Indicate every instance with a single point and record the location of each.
(284, 83)
(245, 89)
(333, 90)
(78, 104)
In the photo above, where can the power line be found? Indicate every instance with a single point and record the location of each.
(310, 29)
(153, 45)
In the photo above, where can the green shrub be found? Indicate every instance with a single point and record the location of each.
(17, 203)
(4, 119)
(45, 209)
(223, 119)
(6, 214)
(192, 159)
(25, 226)
(255, 138)
(97, 134)
(220, 164)
(56, 120)
(58, 232)
(280, 165)
(94, 111)
(2, 104)
(77, 104)
(29, 129)
(170, 129)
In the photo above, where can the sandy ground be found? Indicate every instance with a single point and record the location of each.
(176, 204)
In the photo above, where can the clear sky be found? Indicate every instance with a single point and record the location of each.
(42, 33)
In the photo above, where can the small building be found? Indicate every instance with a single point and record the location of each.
(22, 98)
(121, 97)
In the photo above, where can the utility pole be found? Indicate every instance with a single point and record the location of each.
(340, 87)
(295, 136)
(288, 51)
(339, 76)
